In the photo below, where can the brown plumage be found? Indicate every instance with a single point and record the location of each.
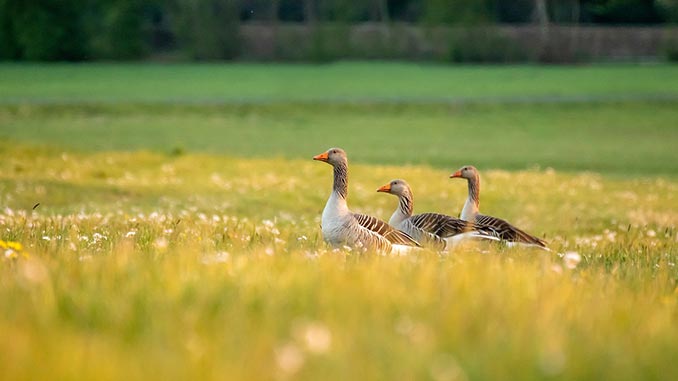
(341, 227)
(503, 229)
(433, 230)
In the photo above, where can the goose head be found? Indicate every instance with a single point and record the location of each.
(396, 187)
(332, 156)
(468, 172)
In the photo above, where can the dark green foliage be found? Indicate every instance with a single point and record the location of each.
(42, 30)
(623, 11)
(484, 45)
(458, 11)
(72, 30)
(671, 51)
(208, 29)
(330, 42)
(117, 29)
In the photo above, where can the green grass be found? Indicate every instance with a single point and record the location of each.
(177, 232)
(342, 81)
(614, 138)
(596, 118)
(147, 266)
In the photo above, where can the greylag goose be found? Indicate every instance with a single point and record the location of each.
(433, 230)
(471, 212)
(341, 227)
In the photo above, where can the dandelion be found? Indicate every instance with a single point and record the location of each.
(97, 237)
(11, 254)
(446, 368)
(571, 259)
(289, 358)
(317, 337)
(220, 257)
(161, 243)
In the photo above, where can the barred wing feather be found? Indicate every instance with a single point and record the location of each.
(385, 230)
(508, 232)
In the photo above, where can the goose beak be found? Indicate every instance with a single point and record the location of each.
(385, 188)
(455, 174)
(322, 157)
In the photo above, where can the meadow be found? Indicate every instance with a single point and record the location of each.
(162, 222)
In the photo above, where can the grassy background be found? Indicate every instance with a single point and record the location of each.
(177, 233)
(333, 82)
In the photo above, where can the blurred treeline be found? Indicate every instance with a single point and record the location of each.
(76, 30)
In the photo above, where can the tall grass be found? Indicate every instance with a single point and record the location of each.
(145, 266)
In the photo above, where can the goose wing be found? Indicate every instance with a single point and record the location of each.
(508, 232)
(440, 224)
(385, 230)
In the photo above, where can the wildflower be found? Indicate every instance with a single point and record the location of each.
(571, 259)
(161, 243)
(445, 367)
(12, 250)
(16, 246)
(220, 257)
(317, 337)
(11, 254)
(130, 234)
(289, 358)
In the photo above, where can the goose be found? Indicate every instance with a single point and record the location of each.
(471, 212)
(434, 230)
(341, 227)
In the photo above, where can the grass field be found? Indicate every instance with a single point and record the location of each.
(177, 237)
(347, 82)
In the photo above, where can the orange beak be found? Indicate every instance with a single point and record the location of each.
(385, 188)
(322, 157)
(455, 174)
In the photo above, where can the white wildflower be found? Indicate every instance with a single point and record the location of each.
(220, 257)
(289, 358)
(571, 259)
(317, 337)
(445, 367)
(161, 243)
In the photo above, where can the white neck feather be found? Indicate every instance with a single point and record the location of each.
(336, 207)
(397, 218)
(470, 210)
